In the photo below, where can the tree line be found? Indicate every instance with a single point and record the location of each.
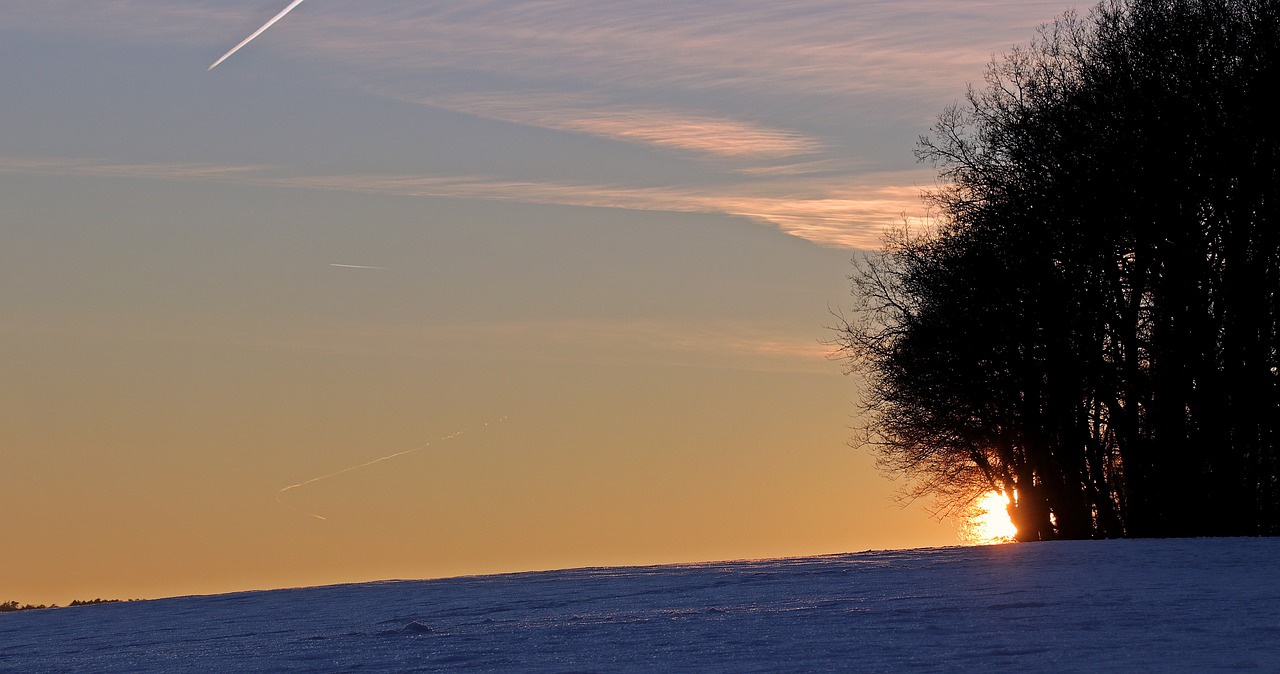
(10, 606)
(1091, 324)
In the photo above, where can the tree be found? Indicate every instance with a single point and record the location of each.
(1093, 326)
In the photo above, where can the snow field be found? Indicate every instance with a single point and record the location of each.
(1190, 605)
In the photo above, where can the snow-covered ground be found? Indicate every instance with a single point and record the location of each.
(1123, 606)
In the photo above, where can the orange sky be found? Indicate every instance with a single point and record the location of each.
(618, 230)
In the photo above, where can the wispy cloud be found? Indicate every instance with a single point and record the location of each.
(848, 217)
(822, 47)
(718, 344)
(195, 21)
(158, 170)
(703, 134)
(851, 216)
(770, 92)
(730, 339)
(710, 50)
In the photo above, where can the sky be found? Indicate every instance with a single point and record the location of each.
(413, 289)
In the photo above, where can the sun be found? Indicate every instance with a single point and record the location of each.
(988, 522)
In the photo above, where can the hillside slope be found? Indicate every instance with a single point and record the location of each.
(1124, 606)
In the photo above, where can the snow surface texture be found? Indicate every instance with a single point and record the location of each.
(1124, 606)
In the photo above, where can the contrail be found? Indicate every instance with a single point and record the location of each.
(347, 470)
(256, 33)
(358, 467)
(354, 266)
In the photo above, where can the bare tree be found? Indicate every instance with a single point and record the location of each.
(1092, 326)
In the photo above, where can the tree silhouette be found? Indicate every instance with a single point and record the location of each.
(1093, 326)
(11, 606)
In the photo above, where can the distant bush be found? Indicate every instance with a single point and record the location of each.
(77, 602)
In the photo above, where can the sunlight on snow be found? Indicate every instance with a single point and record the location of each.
(988, 522)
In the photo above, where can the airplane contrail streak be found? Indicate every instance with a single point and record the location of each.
(348, 470)
(256, 33)
(354, 266)
(336, 473)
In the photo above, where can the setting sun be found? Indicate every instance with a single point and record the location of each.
(988, 522)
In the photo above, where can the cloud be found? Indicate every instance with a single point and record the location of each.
(194, 21)
(838, 216)
(767, 94)
(710, 49)
(722, 344)
(729, 339)
(157, 170)
(824, 47)
(709, 135)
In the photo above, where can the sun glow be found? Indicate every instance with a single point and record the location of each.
(988, 521)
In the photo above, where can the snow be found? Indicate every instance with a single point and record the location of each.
(1090, 606)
